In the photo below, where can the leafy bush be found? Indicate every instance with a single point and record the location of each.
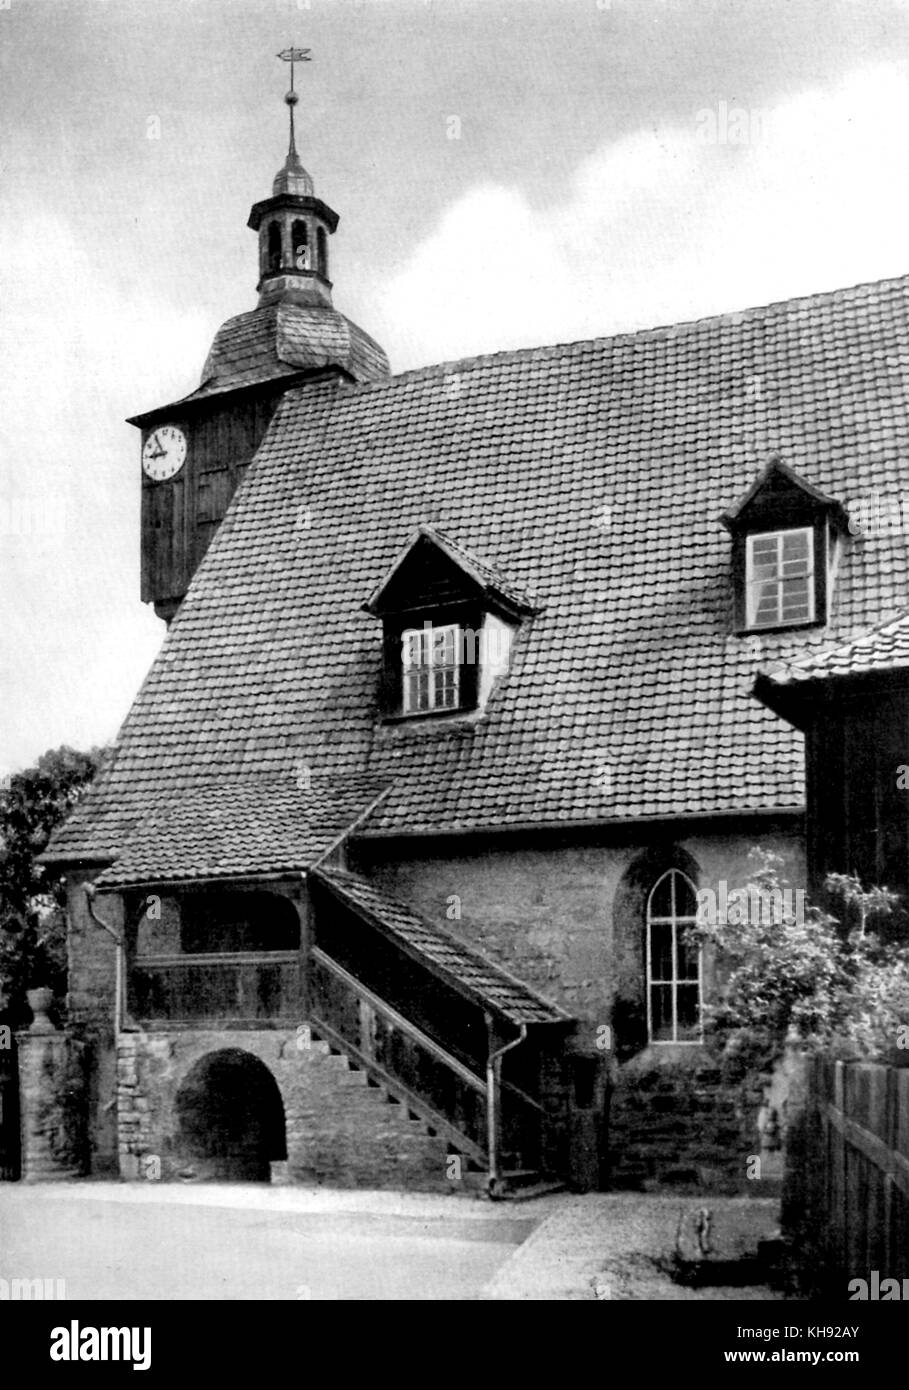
(808, 977)
(32, 920)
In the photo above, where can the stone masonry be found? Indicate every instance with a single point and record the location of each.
(340, 1128)
(52, 1106)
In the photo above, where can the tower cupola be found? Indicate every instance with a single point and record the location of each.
(293, 224)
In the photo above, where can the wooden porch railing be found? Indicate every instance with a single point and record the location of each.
(417, 1069)
(222, 987)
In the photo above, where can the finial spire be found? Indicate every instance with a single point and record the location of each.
(293, 55)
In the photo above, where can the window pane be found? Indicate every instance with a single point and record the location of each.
(764, 567)
(661, 1013)
(661, 898)
(686, 903)
(687, 1008)
(443, 646)
(446, 688)
(687, 955)
(411, 646)
(796, 599)
(661, 951)
(795, 543)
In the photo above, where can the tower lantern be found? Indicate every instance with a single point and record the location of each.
(293, 224)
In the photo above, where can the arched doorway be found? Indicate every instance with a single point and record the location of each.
(230, 1118)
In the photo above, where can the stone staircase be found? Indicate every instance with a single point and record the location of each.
(344, 1128)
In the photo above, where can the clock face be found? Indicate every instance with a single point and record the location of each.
(164, 452)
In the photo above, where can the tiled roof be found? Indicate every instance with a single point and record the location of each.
(479, 977)
(881, 648)
(279, 339)
(593, 475)
(232, 827)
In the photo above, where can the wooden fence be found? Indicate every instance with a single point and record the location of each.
(846, 1192)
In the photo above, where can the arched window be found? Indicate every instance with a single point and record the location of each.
(299, 236)
(673, 962)
(322, 251)
(274, 246)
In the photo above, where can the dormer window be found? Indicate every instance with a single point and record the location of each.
(786, 535)
(448, 622)
(432, 668)
(780, 578)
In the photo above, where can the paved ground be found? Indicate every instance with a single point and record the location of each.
(136, 1241)
(140, 1240)
(611, 1245)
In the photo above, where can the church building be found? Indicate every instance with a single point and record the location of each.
(387, 879)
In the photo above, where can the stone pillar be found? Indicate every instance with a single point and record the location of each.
(52, 1106)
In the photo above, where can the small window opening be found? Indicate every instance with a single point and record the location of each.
(300, 241)
(274, 246)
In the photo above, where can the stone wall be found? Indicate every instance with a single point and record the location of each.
(570, 921)
(684, 1123)
(339, 1128)
(558, 917)
(567, 918)
(53, 1131)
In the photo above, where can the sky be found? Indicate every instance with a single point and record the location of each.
(507, 172)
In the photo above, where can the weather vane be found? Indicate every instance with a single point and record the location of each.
(294, 55)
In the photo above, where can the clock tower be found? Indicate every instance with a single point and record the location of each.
(195, 451)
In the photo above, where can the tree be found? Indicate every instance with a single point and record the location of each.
(32, 921)
(791, 972)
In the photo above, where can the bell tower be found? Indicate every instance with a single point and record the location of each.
(195, 451)
(293, 224)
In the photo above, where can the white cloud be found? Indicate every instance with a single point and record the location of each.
(661, 226)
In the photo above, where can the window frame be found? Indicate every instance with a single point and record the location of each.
(426, 635)
(752, 604)
(675, 980)
(468, 618)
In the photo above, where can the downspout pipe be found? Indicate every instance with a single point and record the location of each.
(493, 1079)
(90, 894)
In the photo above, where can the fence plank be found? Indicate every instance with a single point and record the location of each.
(853, 1171)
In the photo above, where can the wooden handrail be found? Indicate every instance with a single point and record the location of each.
(398, 1021)
(186, 958)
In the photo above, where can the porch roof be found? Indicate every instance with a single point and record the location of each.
(462, 966)
(231, 828)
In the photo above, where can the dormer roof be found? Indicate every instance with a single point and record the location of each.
(776, 492)
(395, 589)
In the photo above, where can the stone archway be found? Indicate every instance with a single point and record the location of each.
(230, 1118)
